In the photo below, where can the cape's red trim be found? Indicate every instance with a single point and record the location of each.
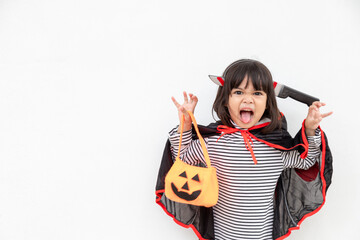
(275, 145)
(323, 188)
(158, 198)
(259, 126)
(304, 138)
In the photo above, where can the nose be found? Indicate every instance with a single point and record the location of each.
(248, 99)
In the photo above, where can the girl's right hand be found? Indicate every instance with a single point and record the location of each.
(188, 105)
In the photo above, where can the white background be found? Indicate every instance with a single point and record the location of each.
(85, 90)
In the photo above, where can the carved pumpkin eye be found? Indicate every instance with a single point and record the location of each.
(183, 174)
(195, 178)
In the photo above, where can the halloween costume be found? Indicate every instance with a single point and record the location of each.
(293, 200)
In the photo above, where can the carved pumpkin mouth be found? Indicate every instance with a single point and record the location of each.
(185, 195)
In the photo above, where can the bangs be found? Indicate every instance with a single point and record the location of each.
(250, 72)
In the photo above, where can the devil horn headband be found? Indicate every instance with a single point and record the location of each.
(217, 80)
(281, 91)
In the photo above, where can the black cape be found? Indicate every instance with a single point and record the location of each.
(298, 194)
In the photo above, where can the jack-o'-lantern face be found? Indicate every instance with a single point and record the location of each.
(187, 190)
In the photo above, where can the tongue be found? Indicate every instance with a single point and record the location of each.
(245, 116)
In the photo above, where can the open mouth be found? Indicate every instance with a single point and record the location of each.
(246, 115)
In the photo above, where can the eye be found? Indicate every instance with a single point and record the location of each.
(258, 93)
(237, 92)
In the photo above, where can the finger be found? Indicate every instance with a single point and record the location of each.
(185, 97)
(193, 98)
(326, 114)
(319, 104)
(175, 102)
(313, 110)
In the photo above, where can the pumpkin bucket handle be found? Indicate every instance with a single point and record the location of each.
(202, 142)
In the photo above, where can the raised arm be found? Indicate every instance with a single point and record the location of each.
(292, 159)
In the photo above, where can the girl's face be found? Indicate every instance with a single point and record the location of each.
(246, 105)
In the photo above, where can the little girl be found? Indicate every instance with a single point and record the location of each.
(250, 155)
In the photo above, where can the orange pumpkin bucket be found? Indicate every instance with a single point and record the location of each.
(190, 184)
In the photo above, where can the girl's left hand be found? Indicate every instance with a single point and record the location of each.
(314, 118)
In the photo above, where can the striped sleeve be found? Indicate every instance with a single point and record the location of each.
(191, 151)
(292, 159)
